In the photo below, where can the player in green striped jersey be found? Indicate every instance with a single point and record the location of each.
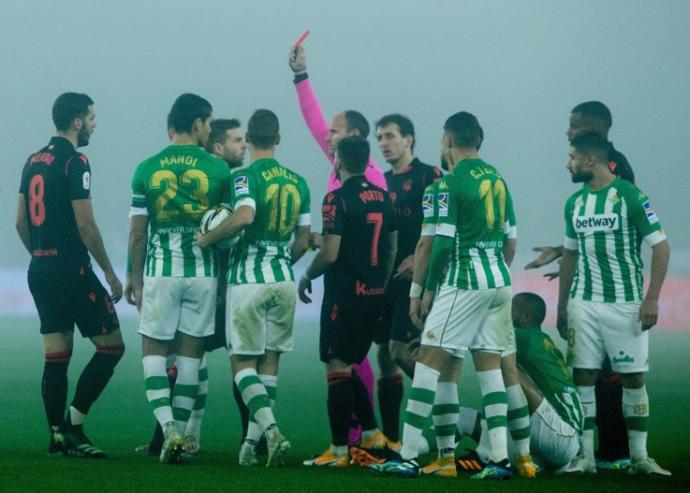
(601, 304)
(170, 193)
(271, 205)
(472, 309)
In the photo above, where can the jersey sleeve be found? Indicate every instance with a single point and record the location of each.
(429, 211)
(78, 177)
(570, 240)
(332, 212)
(446, 212)
(24, 182)
(304, 218)
(138, 206)
(645, 219)
(510, 228)
(243, 190)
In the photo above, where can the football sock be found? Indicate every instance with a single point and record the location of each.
(427, 441)
(612, 433)
(242, 407)
(636, 413)
(518, 419)
(96, 376)
(390, 394)
(340, 404)
(197, 416)
(418, 409)
(589, 404)
(157, 388)
(361, 405)
(254, 431)
(185, 390)
(445, 417)
(255, 397)
(495, 405)
(76, 417)
(54, 386)
(467, 422)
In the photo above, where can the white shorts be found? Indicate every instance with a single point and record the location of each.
(597, 330)
(552, 440)
(178, 304)
(511, 348)
(469, 319)
(260, 317)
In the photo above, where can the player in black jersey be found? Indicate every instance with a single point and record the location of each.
(406, 179)
(56, 225)
(356, 258)
(612, 452)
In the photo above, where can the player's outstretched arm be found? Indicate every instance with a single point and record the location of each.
(547, 255)
(308, 102)
(649, 309)
(300, 244)
(91, 236)
(566, 275)
(22, 224)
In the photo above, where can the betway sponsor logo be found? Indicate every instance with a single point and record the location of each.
(596, 222)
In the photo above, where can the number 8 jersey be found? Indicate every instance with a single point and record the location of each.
(281, 202)
(474, 203)
(174, 188)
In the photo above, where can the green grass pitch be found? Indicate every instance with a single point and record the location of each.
(121, 419)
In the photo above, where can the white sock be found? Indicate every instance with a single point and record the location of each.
(589, 404)
(636, 414)
(185, 390)
(419, 406)
(157, 388)
(495, 402)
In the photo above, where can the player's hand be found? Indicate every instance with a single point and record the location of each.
(297, 60)
(303, 288)
(562, 322)
(315, 241)
(138, 294)
(427, 302)
(115, 286)
(129, 289)
(649, 313)
(202, 240)
(415, 312)
(405, 269)
(552, 275)
(546, 256)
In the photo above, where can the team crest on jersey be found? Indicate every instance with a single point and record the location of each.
(651, 216)
(427, 205)
(407, 185)
(241, 185)
(443, 204)
(615, 198)
(593, 223)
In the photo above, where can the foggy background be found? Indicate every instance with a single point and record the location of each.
(519, 66)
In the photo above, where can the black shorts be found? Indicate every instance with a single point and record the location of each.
(73, 296)
(348, 327)
(396, 324)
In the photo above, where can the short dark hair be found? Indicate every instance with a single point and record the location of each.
(186, 109)
(533, 306)
(593, 143)
(465, 130)
(353, 151)
(69, 106)
(263, 129)
(219, 128)
(356, 121)
(595, 109)
(404, 124)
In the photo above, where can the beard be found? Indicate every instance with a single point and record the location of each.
(580, 176)
(234, 163)
(444, 163)
(83, 138)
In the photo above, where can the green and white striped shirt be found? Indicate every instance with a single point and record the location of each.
(473, 203)
(281, 202)
(174, 188)
(607, 227)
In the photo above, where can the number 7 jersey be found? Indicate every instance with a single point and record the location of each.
(281, 202)
(174, 188)
(475, 207)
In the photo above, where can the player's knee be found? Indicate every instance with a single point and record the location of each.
(632, 380)
(58, 356)
(114, 352)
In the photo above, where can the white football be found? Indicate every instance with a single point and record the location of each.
(212, 219)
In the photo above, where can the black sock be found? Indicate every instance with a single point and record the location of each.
(340, 400)
(390, 394)
(96, 376)
(54, 386)
(613, 434)
(361, 404)
(244, 410)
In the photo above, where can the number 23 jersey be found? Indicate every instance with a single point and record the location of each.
(174, 188)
